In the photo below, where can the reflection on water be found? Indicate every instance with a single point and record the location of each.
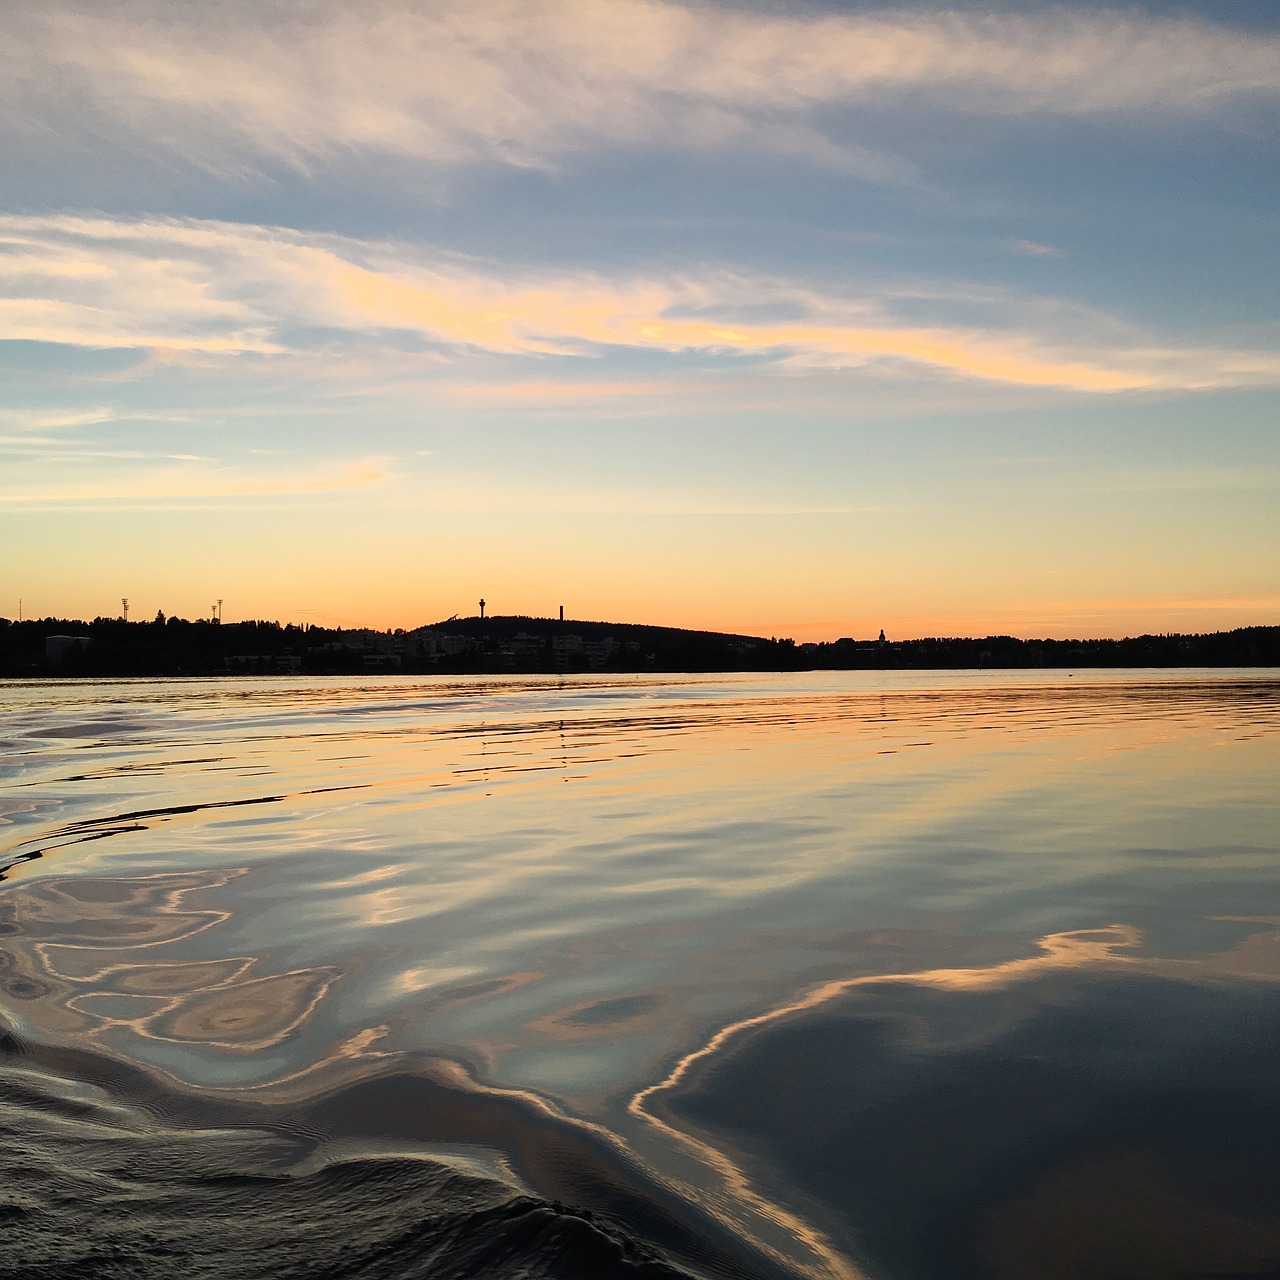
(1086, 1111)
(904, 975)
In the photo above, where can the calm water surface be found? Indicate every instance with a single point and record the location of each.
(908, 975)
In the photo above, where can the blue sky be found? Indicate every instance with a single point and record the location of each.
(793, 319)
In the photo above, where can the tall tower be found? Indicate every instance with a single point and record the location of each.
(481, 610)
(124, 608)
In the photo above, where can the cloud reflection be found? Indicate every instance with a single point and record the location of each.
(840, 1059)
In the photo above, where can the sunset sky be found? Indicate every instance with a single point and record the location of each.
(790, 319)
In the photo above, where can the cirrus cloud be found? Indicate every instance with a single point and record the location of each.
(526, 82)
(214, 287)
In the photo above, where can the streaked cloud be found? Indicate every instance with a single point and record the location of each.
(524, 82)
(188, 482)
(1034, 249)
(924, 309)
(41, 420)
(214, 287)
(56, 451)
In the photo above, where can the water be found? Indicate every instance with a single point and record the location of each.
(899, 975)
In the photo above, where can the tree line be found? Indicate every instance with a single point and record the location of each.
(111, 647)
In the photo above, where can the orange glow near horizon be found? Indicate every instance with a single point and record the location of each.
(1063, 620)
(795, 346)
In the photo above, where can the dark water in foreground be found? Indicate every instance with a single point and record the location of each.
(922, 976)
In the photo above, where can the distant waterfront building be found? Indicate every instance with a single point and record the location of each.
(523, 645)
(427, 644)
(598, 652)
(264, 663)
(565, 649)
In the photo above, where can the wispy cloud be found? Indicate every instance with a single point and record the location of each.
(86, 282)
(213, 287)
(562, 393)
(188, 482)
(42, 420)
(57, 451)
(1034, 249)
(524, 82)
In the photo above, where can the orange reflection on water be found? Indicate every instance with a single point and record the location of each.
(570, 882)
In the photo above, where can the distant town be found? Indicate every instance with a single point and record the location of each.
(110, 647)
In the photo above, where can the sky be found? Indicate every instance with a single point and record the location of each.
(786, 319)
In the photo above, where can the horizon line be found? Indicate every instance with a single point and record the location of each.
(735, 635)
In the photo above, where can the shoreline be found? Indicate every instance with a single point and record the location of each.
(112, 648)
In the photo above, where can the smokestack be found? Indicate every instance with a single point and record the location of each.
(562, 613)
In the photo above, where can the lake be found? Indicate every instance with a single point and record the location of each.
(911, 975)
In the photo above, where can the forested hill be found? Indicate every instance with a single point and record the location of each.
(176, 646)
